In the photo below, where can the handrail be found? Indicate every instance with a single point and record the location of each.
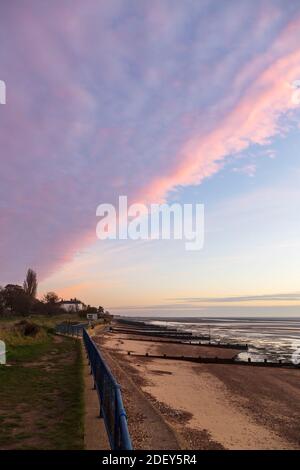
(68, 328)
(109, 391)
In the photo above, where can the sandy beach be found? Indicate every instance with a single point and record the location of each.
(176, 404)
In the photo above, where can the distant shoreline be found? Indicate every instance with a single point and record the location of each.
(202, 318)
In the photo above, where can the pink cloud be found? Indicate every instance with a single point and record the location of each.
(254, 120)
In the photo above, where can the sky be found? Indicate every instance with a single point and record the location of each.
(161, 101)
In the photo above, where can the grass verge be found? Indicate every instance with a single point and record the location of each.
(41, 393)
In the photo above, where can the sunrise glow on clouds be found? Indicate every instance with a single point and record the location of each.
(136, 98)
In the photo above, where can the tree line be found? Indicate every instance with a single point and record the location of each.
(21, 300)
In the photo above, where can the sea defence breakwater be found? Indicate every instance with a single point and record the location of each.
(164, 334)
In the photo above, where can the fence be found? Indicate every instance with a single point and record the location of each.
(109, 392)
(70, 328)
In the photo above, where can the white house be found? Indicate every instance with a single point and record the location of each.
(72, 305)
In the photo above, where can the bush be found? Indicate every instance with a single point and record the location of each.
(27, 328)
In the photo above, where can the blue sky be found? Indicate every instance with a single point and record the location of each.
(160, 101)
(251, 246)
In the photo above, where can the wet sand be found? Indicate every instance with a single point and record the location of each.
(211, 405)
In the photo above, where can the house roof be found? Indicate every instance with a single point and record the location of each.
(70, 302)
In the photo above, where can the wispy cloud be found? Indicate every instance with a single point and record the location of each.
(248, 170)
(294, 296)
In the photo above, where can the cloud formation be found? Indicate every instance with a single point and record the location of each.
(128, 97)
(291, 296)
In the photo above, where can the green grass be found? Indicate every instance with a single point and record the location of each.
(41, 395)
(28, 352)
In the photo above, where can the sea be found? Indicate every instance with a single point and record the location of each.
(273, 339)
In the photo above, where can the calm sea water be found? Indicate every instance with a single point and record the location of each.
(272, 339)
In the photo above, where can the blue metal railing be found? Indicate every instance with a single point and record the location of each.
(111, 403)
(70, 329)
(109, 391)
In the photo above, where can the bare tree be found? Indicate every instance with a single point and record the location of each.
(51, 298)
(30, 284)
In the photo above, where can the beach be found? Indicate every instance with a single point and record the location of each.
(175, 404)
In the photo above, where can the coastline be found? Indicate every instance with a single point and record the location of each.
(207, 406)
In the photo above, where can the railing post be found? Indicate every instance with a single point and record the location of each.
(117, 424)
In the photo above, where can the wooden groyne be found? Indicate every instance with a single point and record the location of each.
(160, 331)
(190, 343)
(218, 360)
(154, 332)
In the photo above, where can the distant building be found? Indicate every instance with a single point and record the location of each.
(72, 305)
(102, 315)
(92, 316)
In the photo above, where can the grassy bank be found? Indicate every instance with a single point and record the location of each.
(47, 321)
(41, 392)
